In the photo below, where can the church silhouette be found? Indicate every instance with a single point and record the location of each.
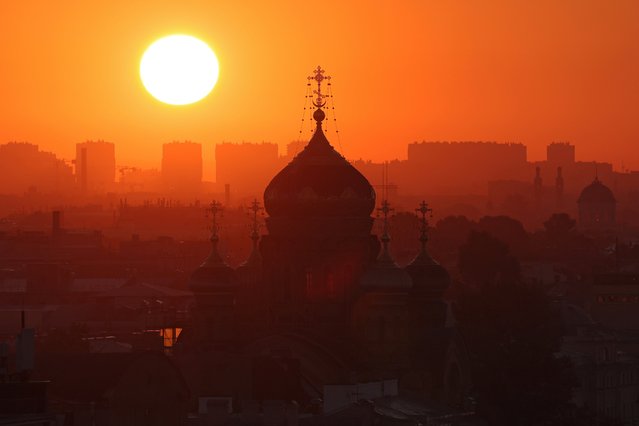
(320, 303)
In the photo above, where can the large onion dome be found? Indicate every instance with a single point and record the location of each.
(319, 182)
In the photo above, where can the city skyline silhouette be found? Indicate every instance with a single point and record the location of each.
(304, 214)
(532, 73)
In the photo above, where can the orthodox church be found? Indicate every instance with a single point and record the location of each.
(597, 207)
(320, 301)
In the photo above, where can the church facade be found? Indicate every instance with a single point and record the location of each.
(320, 301)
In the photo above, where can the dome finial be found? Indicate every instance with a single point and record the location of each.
(385, 209)
(215, 209)
(255, 258)
(423, 229)
(255, 226)
(319, 101)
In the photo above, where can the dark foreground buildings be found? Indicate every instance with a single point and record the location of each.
(320, 311)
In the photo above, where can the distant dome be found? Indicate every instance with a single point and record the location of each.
(596, 193)
(319, 182)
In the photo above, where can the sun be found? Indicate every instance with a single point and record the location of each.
(179, 69)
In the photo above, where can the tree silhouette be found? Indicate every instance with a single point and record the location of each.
(448, 235)
(561, 240)
(454, 229)
(505, 229)
(513, 334)
(560, 224)
(484, 259)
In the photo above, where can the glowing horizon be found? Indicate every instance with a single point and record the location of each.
(529, 73)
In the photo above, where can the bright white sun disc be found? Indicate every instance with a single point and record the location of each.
(179, 69)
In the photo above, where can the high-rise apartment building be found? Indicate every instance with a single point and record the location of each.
(95, 165)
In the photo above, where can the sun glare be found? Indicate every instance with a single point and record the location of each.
(179, 69)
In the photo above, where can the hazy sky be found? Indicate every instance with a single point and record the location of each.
(404, 70)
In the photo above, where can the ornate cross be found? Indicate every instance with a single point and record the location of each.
(215, 208)
(255, 209)
(385, 209)
(319, 77)
(424, 210)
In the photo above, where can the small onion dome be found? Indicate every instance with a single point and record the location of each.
(429, 277)
(319, 182)
(385, 274)
(213, 273)
(254, 260)
(252, 265)
(596, 193)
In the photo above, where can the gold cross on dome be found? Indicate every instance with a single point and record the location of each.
(255, 209)
(319, 74)
(424, 209)
(319, 78)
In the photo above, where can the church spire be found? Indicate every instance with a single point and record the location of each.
(430, 279)
(318, 142)
(215, 209)
(385, 210)
(320, 98)
(423, 258)
(319, 77)
(424, 210)
(254, 210)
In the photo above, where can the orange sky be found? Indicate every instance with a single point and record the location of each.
(404, 70)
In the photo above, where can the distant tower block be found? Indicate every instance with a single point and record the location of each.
(95, 166)
(560, 154)
(559, 188)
